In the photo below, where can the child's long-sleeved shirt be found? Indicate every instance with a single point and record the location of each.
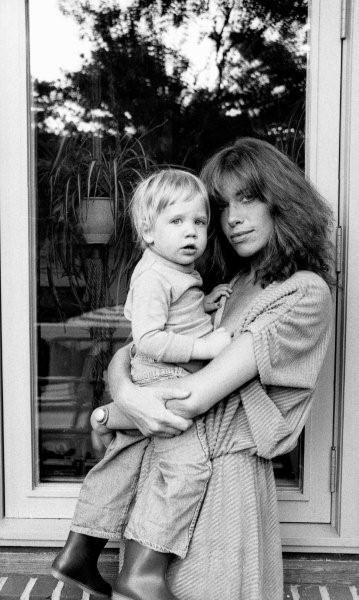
(165, 305)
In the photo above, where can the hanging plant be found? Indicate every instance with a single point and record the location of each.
(90, 183)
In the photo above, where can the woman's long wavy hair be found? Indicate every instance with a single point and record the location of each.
(302, 219)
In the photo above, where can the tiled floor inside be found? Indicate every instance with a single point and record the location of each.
(43, 587)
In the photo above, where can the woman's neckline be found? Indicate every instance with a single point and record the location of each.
(247, 306)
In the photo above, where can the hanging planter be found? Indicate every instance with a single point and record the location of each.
(97, 221)
(90, 183)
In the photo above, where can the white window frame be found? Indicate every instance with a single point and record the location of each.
(343, 533)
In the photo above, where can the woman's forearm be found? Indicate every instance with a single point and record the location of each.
(119, 373)
(232, 368)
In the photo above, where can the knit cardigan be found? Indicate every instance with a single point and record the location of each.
(290, 323)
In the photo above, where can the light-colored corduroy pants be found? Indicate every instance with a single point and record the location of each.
(163, 516)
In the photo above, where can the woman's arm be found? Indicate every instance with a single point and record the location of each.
(118, 371)
(154, 410)
(232, 368)
(144, 408)
(284, 347)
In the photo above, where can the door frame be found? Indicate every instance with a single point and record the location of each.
(14, 150)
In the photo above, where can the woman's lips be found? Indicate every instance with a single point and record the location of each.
(240, 236)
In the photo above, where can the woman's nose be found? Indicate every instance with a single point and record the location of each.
(235, 214)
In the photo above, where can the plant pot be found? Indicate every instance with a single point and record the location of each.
(97, 220)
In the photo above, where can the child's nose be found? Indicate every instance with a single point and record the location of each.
(191, 229)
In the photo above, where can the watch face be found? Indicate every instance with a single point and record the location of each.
(101, 415)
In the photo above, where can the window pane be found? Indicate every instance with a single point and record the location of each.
(118, 87)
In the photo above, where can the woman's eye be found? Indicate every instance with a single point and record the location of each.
(247, 199)
(176, 221)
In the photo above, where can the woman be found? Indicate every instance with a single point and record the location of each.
(272, 240)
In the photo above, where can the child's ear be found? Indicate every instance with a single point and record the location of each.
(148, 236)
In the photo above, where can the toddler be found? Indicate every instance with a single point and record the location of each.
(172, 333)
(165, 304)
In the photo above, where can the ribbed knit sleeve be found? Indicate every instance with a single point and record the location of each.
(291, 337)
(290, 341)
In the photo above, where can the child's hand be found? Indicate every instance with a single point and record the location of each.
(212, 300)
(212, 344)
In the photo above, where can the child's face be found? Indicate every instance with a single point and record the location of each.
(179, 233)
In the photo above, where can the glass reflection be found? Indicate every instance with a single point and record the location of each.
(118, 87)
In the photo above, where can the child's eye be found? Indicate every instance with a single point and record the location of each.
(176, 221)
(201, 222)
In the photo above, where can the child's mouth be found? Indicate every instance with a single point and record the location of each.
(190, 248)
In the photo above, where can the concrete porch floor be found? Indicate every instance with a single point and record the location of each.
(25, 575)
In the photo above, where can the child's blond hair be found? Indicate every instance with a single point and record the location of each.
(158, 191)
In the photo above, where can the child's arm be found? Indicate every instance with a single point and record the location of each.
(150, 301)
(211, 345)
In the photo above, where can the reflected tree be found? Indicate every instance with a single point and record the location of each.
(180, 78)
(144, 75)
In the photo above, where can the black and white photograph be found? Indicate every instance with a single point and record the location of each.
(179, 280)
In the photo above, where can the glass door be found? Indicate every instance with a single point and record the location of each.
(132, 88)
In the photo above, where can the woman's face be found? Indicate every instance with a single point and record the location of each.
(246, 221)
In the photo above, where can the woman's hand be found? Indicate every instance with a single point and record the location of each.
(146, 408)
(187, 408)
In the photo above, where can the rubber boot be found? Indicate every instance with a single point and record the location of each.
(77, 564)
(143, 574)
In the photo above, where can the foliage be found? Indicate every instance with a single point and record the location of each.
(142, 83)
(83, 169)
